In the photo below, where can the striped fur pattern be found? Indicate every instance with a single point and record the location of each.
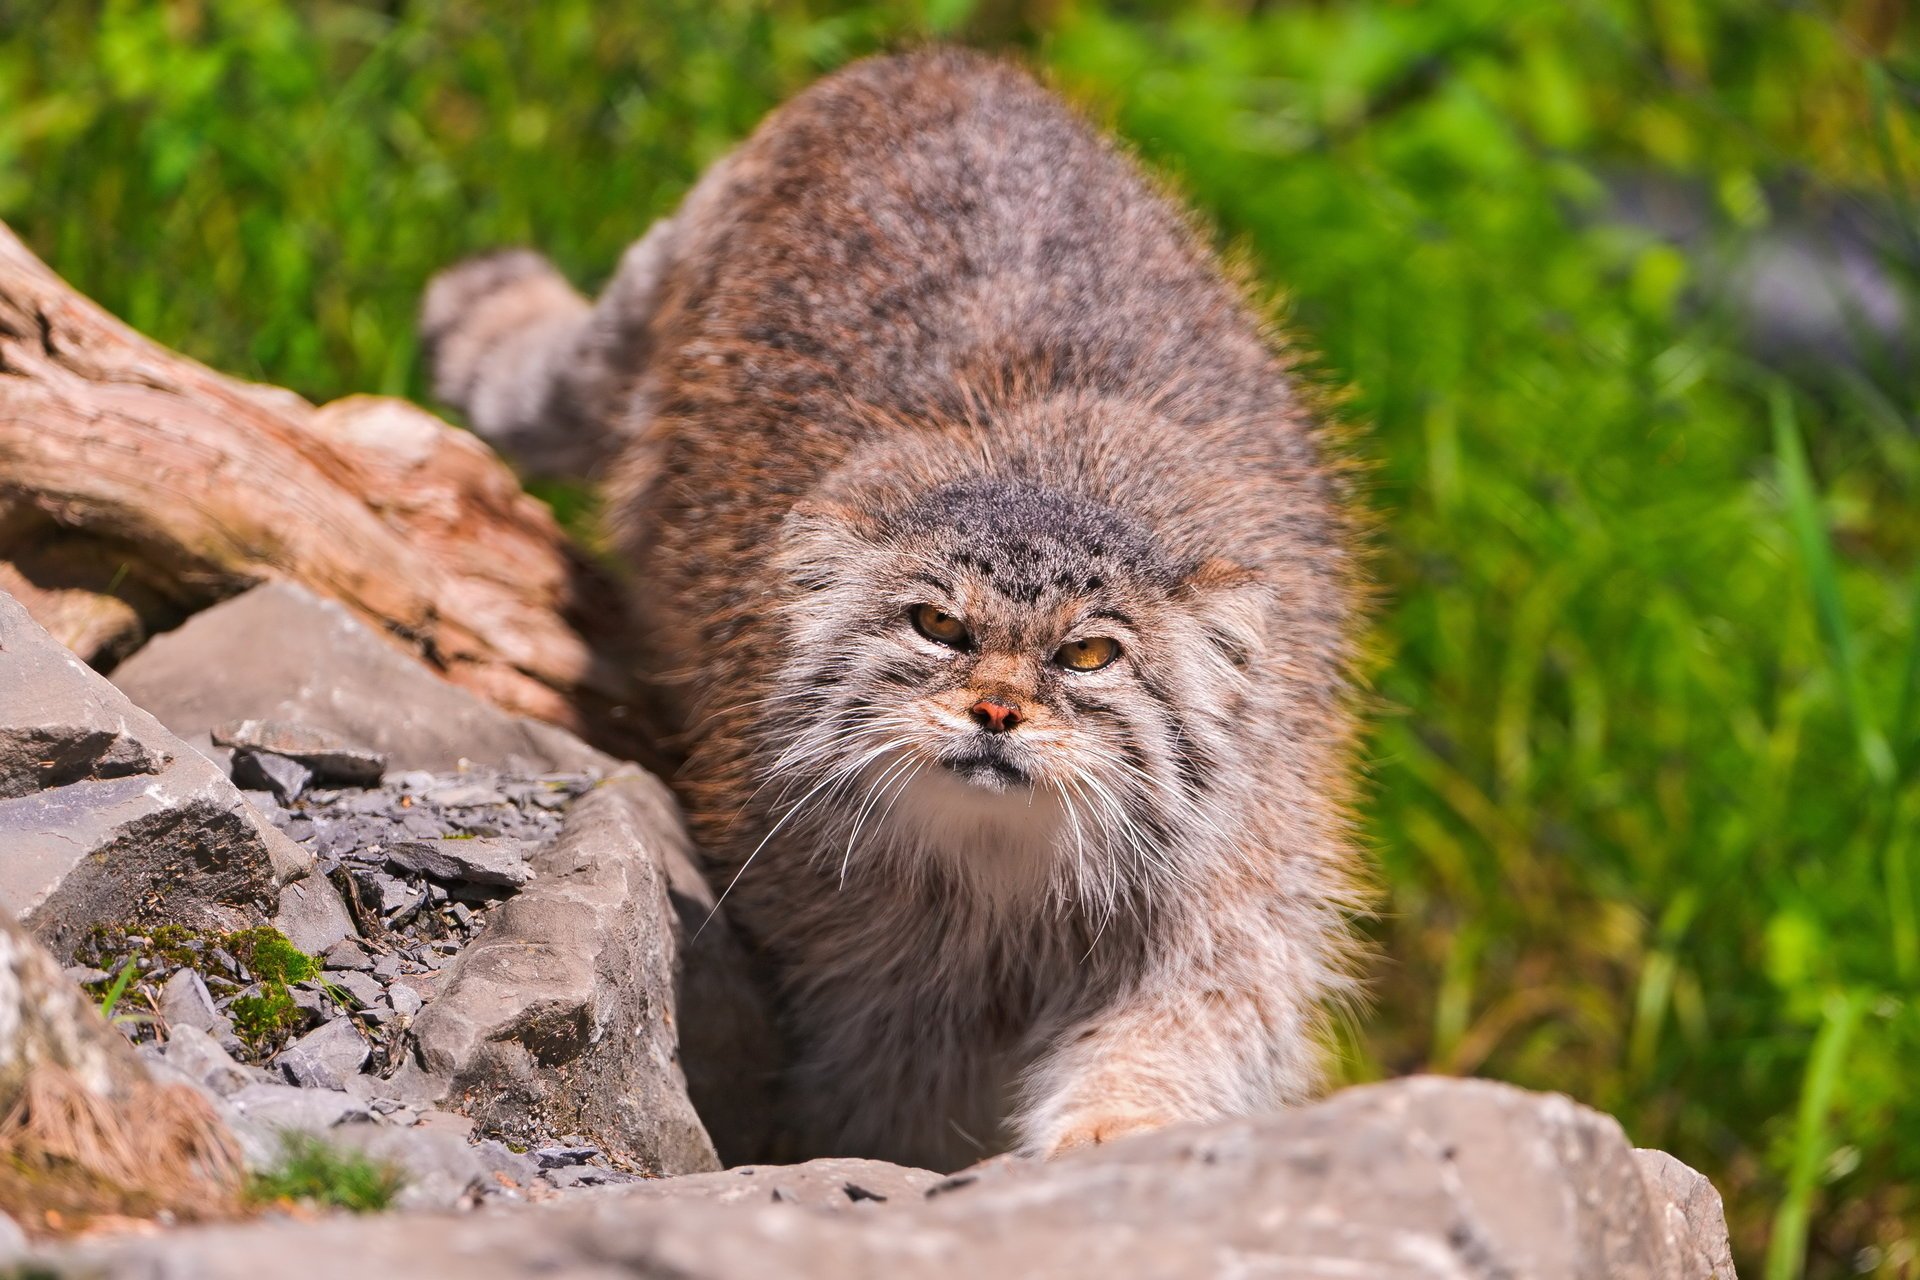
(928, 341)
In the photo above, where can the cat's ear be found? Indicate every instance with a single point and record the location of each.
(1232, 604)
(821, 541)
(824, 514)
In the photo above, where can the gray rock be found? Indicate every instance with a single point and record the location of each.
(405, 1000)
(567, 1177)
(363, 987)
(262, 1116)
(287, 780)
(1694, 1217)
(325, 1056)
(281, 653)
(478, 860)
(124, 823)
(196, 1055)
(329, 758)
(312, 916)
(186, 1002)
(348, 954)
(1413, 1180)
(559, 1017)
(510, 1170)
(816, 1184)
(439, 1170)
(556, 1157)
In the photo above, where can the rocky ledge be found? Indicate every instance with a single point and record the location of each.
(337, 904)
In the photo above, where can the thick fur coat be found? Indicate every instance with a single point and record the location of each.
(925, 401)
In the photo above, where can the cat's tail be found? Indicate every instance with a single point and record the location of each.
(549, 379)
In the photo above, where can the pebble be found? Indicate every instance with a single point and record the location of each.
(481, 861)
(324, 1058)
(286, 779)
(557, 1157)
(348, 954)
(406, 1001)
(186, 1002)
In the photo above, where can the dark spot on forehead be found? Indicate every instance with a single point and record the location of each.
(1028, 539)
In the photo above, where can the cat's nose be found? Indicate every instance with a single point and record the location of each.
(995, 716)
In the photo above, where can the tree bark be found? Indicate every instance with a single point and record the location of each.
(137, 486)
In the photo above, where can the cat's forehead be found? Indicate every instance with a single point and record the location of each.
(1031, 543)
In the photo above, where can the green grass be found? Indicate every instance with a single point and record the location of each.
(1648, 661)
(315, 1172)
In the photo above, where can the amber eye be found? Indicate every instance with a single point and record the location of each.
(942, 628)
(1090, 654)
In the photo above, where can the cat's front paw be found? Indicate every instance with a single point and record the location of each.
(1096, 1128)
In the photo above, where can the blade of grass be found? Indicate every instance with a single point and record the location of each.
(118, 989)
(1816, 551)
(1786, 1253)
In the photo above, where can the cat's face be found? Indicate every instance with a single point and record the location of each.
(1004, 672)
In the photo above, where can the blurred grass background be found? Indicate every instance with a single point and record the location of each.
(1644, 780)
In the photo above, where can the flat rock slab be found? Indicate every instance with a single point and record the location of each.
(106, 817)
(1421, 1179)
(279, 653)
(329, 757)
(560, 1018)
(473, 860)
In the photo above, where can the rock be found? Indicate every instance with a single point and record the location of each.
(325, 1056)
(1695, 1219)
(1422, 1179)
(330, 758)
(556, 1157)
(476, 860)
(280, 653)
(510, 1171)
(312, 916)
(105, 817)
(363, 987)
(560, 1016)
(196, 1055)
(185, 1002)
(264, 1115)
(816, 1184)
(405, 1000)
(439, 1170)
(286, 779)
(348, 954)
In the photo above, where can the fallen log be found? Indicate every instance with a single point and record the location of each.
(137, 487)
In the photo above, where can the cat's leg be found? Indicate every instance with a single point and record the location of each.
(1232, 1028)
(545, 376)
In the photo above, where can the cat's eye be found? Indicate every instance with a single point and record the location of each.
(939, 627)
(1090, 654)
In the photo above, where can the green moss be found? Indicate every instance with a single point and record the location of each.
(266, 1020)
(268, 955)
(316, 1172)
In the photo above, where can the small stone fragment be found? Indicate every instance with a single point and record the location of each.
(348, 954)
(479, 860)
(286, 779)
(193, 1053)
(406, 1001)
(558, 1157)
(311, 915)
(364, 988)
(186, 1002)
(330, 757)
(326, 1057)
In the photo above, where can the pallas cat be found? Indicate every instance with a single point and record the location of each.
(997, 585)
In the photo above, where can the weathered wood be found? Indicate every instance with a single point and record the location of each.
(131, 472)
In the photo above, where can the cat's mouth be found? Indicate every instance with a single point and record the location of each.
(988, 770)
